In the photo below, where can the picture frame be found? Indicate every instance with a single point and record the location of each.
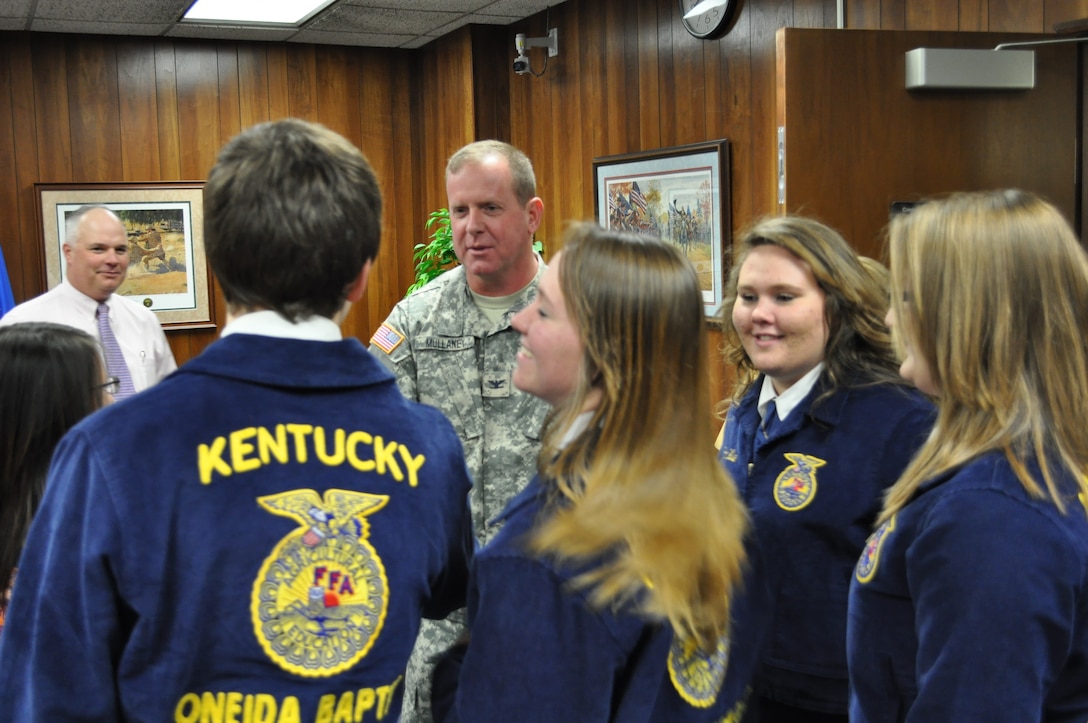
(168, 271)
(679, 193)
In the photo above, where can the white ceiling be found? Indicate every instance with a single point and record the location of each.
(371, 23)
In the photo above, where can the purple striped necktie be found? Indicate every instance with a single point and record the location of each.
(115, 360)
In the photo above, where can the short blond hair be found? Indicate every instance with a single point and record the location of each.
(521, 168)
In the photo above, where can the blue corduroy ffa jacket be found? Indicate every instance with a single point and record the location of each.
(254, 538)
(540, 652)
(971, 604)
(814, 488)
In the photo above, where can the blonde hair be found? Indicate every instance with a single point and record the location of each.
(991, 293)
(642, 487)
(521, 168)
(859, 350)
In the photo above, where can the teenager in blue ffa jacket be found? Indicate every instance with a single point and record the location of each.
(819, 426)
(608, 593)
(256, 537)
(970, 602)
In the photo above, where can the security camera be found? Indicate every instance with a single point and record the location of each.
(522, 43)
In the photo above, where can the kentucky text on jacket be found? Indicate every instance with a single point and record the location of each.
(249, 449)
(234, 707)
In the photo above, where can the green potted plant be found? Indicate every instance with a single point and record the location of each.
(437, 256)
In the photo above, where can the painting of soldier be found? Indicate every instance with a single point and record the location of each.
(156, 242)
(676, 206)
(679, 194)
(164, 266)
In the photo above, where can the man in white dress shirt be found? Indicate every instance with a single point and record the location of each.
(96, 254)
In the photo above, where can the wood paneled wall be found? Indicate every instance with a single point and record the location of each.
(462, 95)
(628, 78)
(995, 16)
(846, 163)
(87, 108)
(444, 111)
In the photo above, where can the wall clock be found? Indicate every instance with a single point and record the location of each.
(713, 19)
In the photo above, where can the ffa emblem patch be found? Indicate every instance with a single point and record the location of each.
(796, 485)
(697, 675)
(870, 556)
(319, 600)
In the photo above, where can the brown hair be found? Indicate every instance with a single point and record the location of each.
(859, 348)
(643, 486)
(292, 213)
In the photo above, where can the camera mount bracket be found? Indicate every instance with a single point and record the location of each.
(550, 41)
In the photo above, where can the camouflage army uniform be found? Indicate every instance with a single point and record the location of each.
(444, 352)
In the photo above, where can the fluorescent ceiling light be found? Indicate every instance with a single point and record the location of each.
(257, 12)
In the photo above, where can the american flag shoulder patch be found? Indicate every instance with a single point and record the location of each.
(387, 338)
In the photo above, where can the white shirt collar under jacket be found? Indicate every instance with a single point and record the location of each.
(270, 323)
(576, 427)
(787, 400)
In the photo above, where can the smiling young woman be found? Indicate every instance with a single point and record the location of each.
(819, 425)
(609, 592)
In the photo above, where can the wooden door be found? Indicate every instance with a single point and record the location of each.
(855, 140)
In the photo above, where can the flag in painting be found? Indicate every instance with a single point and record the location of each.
(636, 196)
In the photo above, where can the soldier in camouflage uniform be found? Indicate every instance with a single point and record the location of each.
(451, 345)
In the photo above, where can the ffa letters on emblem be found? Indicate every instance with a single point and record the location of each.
(319, 600)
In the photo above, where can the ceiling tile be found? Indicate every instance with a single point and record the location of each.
(14, 8)
(229, 32)
(468, 19)
(453, 6)
(355, 18)
(121, 11)
(375, 23)
(517, 9)
(333, 37)
(418, 42)
(90, 27)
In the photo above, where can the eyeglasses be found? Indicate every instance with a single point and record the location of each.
(111, 385)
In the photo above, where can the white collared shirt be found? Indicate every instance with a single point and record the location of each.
(787, 400)
(271, 323)
(139, 332)
(576, 427)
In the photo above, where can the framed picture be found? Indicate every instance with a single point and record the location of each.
(680, 194)
(167, 271)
